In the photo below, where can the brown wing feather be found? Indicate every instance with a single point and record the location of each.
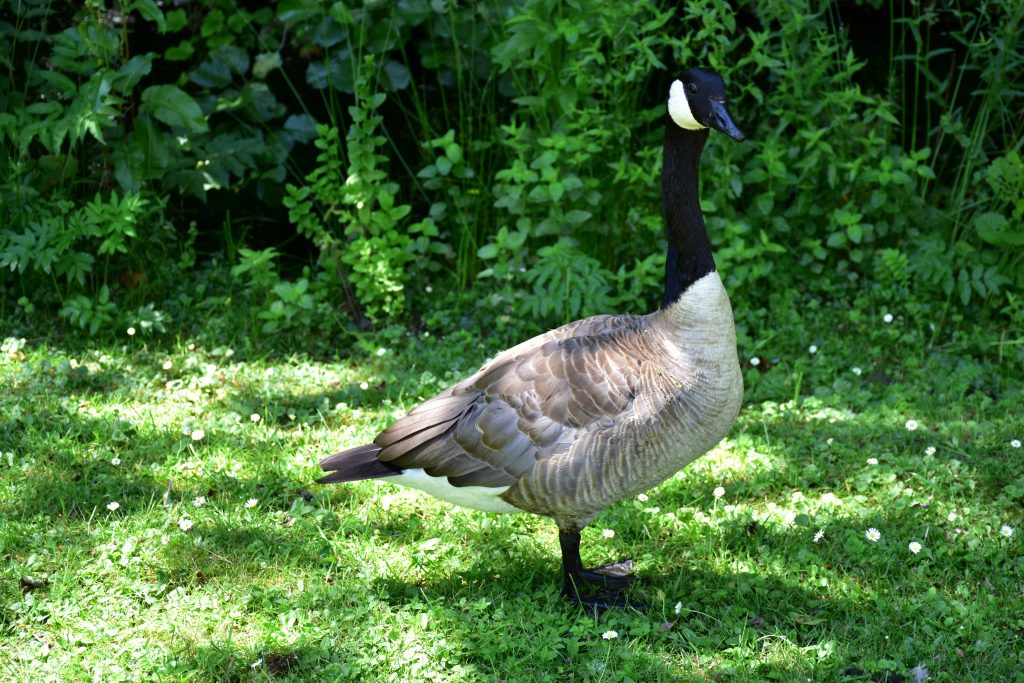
(529, 403)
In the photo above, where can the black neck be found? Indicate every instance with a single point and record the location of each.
(689, 249)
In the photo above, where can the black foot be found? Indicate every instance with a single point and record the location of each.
(612, 575)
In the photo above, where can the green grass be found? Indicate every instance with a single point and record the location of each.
(371, 582)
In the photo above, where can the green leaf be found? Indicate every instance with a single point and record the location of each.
(994, 228)
(180, 52)
(396, 75)
(444, 166)
(855, 232)
(488, 251)
(173, 106)
(149, 11)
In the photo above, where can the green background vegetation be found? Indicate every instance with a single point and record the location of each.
(320, 213)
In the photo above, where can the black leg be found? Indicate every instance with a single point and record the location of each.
(615, 576)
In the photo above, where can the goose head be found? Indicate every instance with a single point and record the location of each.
(696, 100)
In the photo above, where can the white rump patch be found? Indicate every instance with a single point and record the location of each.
(679, 107)
(483, 498)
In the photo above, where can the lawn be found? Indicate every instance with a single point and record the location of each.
(159, 520)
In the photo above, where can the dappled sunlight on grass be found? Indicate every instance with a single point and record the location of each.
(762, 543)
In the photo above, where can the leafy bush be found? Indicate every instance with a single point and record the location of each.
(505, 146)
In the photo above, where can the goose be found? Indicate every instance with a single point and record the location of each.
(595, 411)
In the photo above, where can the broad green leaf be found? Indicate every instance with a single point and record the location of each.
(173, 106)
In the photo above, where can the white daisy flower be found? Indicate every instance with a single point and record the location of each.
(872, 461)
(165, 539)
(718, 492)
(610, 635)
(912, 425)
(115, 461)
(255, 417)
(168, 364)
(364, 385)
(829, 441)
(185, 524)
(251, 503)
(812, 349)
(887, 318)
(199, 501)
(608, 533)
(1015, 443)
(820, 534)
(130, 331)
(113, 505)
(930, 450)
(856, 371)
(642, 497)
(1006, 531)
(914, 547)
(381, 351)
(873, 534)
(197, 434)
(755, 361)
(951, 517)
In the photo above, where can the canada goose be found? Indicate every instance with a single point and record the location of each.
(600, 409)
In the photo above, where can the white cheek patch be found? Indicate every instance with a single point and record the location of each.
(679, 108)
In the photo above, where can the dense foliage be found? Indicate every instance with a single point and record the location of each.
(327, 164)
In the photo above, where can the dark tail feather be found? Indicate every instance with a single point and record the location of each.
(356, 464)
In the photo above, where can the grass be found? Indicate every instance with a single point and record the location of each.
(372, 582)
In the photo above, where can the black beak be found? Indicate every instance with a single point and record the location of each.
(721, 120)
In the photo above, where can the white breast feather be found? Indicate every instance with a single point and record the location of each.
(483, 498)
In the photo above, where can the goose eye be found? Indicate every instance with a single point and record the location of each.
(692, 87)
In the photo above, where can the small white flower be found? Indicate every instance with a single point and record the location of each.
(251, 503)
(872, 461)
(608, 533)
(1015, 443)
(887, 318)
(257, 664)
(856, 371)
(429, 289)
(113, 505)
(199, 501)
(364, 385)
(951, 517)
(130, 331)
(755, 361)
(679, 607)
(381, 351)
(610, 635)
(185, 524)
(197, 434)
(930, 450)
(912, 425)
(812, 349)
(115, 461)
(873, 534)
(914, 547)
(165, 539)
(1006, 530)
(191, 346)
(820, 534)
(718, 492)
(168, 364)
(829, 441)
(642, 497)
(796, 496)
(255, 417)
